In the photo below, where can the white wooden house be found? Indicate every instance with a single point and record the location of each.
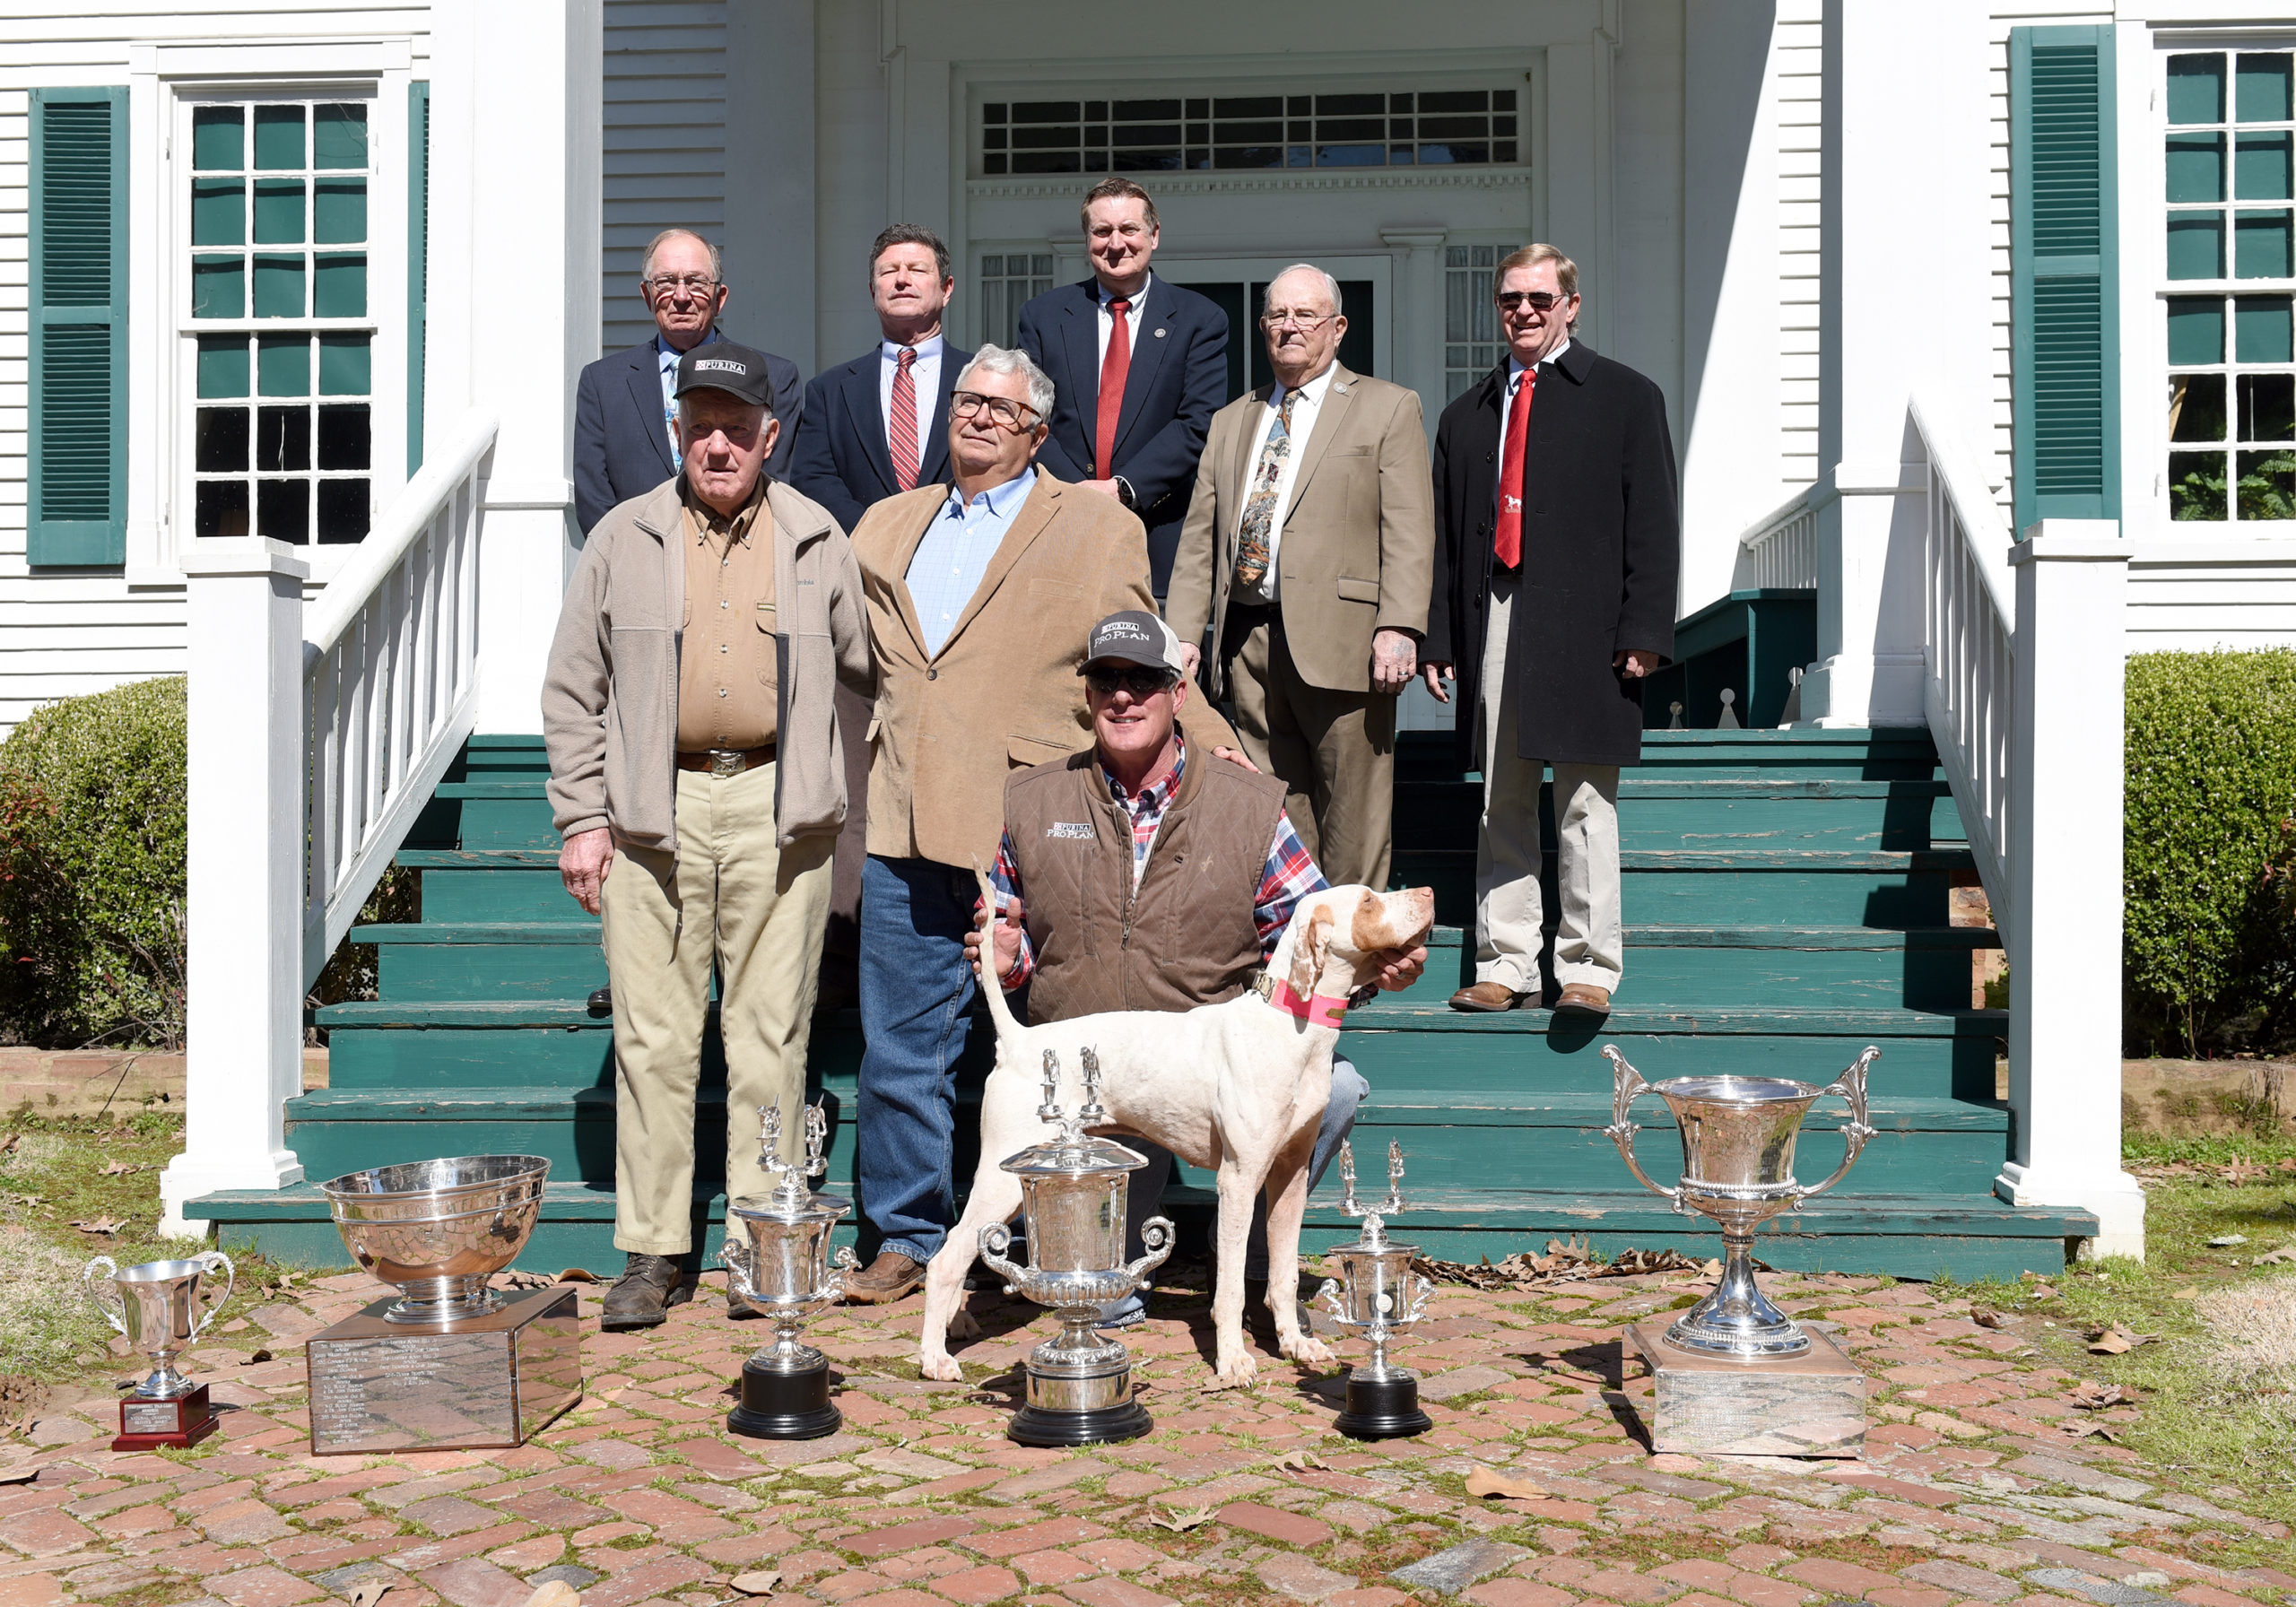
(293, 298)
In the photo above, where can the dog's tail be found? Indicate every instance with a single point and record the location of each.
(1000, 1011)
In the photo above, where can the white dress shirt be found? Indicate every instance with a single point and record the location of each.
(1309, 403)
(925, 372)
(1507, 408)
(1107, 319)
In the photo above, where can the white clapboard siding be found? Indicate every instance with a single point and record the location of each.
(2193, 606)
(62, 635)
(1799, 85)
(665, 142)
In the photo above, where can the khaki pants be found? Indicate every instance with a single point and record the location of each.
(1334, 752)
(729, 898)
(1590, 939)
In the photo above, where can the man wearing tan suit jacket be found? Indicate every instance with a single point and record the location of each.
(1307, 553)
(980, 600)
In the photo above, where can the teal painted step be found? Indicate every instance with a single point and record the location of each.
(1672, 810)
(1882, 754)
(488, 960)
(1743, 888)
(1921, 1235)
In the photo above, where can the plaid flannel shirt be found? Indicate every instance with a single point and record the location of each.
(1289, 875)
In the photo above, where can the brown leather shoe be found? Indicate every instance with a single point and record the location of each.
(1486, 996)
(884, 1279)
(1584, 998)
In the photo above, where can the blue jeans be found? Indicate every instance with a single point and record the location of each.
(916, 995)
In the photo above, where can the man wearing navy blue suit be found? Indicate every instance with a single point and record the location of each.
(625, 424)
(1140, 366)
(880, 424)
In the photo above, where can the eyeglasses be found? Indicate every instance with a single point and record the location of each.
(1140, 683)
(1540, 301)
(1306, 323)
(1003, 410)
(692, 284)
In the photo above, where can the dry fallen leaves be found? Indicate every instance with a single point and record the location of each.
(2117, 1340)
(575, 1274)
(2087, 1430)
(1985, 1316)
(1565, 1260)
(556, 1594)
(1178, 1522)
(2274, 1257)
(757, 1582)
(368, 1591)
(1491, 1482)
(2088, 1395)
(104, 1225)
(1299, 1461)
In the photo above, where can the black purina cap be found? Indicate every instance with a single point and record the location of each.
(722, 366)
(1133, 636)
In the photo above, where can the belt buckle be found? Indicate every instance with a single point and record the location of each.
(726, 763)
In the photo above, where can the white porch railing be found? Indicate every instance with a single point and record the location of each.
(390, 656)
(1968, 645)
(1780, 550)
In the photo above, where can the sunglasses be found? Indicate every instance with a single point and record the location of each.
(1140, 683)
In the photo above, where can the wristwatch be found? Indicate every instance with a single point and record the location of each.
(1123, 490)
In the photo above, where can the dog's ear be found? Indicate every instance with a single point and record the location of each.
(1308, 953)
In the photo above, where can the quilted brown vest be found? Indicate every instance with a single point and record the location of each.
(1186, 936)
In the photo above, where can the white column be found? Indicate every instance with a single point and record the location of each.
(2064, 875)
(243, 1054)
(1419, 315)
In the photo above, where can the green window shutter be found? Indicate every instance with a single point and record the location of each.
(418, 248)
(79, 327)
(2064, 352)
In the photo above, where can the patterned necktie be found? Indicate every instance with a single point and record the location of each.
(1114, 369)
(1259, 505)
(900, 435)
(1507, 533)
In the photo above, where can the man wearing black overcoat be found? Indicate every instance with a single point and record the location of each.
(1557, 537)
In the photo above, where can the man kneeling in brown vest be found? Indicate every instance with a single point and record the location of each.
(1139, 875)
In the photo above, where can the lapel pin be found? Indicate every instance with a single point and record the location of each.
(1159, 335)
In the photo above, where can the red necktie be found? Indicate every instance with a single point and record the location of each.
(1114, 367)
(900, 435)
(1507, 538)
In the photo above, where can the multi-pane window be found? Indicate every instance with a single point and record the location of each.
(283, 423)
(1472, 344)
(2230, 269)
(1379, 129)
(1006, 284)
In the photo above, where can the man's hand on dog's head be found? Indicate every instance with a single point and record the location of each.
(1008, 939)
(1398, 970)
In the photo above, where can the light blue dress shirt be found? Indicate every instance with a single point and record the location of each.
(954, 554)
(667, 356)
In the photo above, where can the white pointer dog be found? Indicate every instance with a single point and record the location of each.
(1236, 1088)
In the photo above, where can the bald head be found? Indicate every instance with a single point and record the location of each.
(1301, 322)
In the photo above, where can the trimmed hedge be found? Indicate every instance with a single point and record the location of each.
(2209, 949)
(92, 871)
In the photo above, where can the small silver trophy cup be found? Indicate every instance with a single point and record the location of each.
(1738, 1138)
(1072, 1203)
(1378, 1292)
(783, 1269)
(158, 1306)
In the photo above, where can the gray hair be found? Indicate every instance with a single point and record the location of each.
(996, 360)
(1331, 285)
(716, 257)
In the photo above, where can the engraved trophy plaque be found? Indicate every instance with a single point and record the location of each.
(157, 1306)
(1071, 1202)
(451, 1364)
(1377, 1292)
(784, 1270)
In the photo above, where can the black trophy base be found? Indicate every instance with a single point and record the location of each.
(777, 1406)
(1039, 1426)
(1382, 1409)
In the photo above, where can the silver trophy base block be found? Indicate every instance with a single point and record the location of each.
(1808, 1404)
(1079, 1395)
(490, 1382)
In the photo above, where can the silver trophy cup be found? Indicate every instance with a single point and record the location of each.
(1738, 1137)
(439, 1230)
(1071, 1202)
(1378, 1294)
(159, 1307)
(782, 1267)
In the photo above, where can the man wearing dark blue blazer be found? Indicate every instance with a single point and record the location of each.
(1139, 366)
(868, 432)
(623, 417)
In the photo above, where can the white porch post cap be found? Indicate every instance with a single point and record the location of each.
(2074, 541)
(246, 555)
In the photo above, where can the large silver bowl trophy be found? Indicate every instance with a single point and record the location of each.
(157, 1306)
(1377, 1292)
(1737, 1138)
(451, 1363)
(784, 1270)
(1072, 1204)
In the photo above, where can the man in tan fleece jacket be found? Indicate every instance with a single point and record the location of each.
(696, 777)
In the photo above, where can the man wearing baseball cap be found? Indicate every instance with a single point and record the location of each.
(1195, 855)
(696, 777)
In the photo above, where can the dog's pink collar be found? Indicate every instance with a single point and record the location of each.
(1321, 1010)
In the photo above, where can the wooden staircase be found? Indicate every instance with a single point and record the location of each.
(1785, 897)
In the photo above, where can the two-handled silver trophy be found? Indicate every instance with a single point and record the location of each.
(1737, 1136)
(783, 1269)
(157, 1306)
(1072, 1205)
(1378, 1292)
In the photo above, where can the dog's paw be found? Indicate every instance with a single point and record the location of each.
(943, 1367)
(963, 1326)
(1306, 1348)
(1239, 1371)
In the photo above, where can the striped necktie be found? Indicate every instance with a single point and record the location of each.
(900, 434)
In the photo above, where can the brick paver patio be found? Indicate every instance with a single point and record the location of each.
(1972, 1488)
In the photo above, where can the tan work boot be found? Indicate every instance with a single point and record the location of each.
(1584, 998)
(1486, 996)
(884, 1279)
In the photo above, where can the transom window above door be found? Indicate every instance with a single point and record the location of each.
(1182, 132)
(283, 334)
